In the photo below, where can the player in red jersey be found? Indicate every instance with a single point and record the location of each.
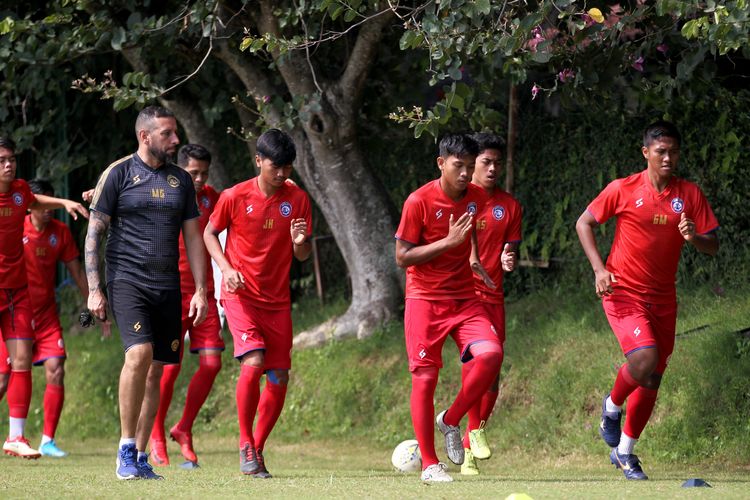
(205, 339)
(498, 235)
(433, 243)
(268, 221)
(48, 241)
(15, 307)
(657, 213)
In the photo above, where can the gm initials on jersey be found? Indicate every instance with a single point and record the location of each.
(660, 219)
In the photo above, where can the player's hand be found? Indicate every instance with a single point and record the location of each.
(233, 280)
(603, 283)
(88, 196)
(686, 227)
(460, 229)
(74, 208)
(106, 329)
(198, 307)
(298, 230)
(97, 304)
(482, 272)
(508, 258)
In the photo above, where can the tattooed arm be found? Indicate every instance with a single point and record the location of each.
(98, 224)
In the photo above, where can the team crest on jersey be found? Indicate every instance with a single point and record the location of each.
(205, 201)
(53, 240)
(472, 208)
(677, 205)
(173, 181)
(18, 199)
(175, 345)
(286, 209)
(498, 212)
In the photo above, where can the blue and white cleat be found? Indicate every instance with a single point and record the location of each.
(126, 468)
(50, 449)
(630, 465)
(609, 427)
(145, 471)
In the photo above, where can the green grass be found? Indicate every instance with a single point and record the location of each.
(339, 469)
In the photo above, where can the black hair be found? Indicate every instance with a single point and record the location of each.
(488, 141)
(7, 143)
(659, 129)
(277, 146)
(458, 145)
(194, 151)
(148, 114)
(41, 186)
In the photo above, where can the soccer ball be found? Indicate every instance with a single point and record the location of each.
(406, 457)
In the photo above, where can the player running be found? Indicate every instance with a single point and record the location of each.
(48, 241)
(268, 221)
(15, 306)
(657, 213)
(433, 243)
(498, 236)
(205, 339)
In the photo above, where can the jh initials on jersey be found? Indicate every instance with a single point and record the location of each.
(268, 224)
(6, 212)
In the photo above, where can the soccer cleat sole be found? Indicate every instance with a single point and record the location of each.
(27, 457)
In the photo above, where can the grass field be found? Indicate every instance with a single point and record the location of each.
(339, 470)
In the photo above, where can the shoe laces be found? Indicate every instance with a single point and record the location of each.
(143, 464)
(259, 458)
(127, 456)
(249, 453)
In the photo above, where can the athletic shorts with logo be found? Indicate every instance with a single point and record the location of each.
(255, 328)
(427, 323)
(15, 314)
(146, 315)
(207, 335)
(642, 325)
(48, 341)
(496, 314)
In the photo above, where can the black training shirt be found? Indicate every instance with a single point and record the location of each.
(147, 208)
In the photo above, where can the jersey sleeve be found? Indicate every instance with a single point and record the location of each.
(410, 227)
(222, 214)
(190, 211)
(307, 214)
(604, 206)
(68, 248)
(514, 226)
(107, 192)
(702, 215)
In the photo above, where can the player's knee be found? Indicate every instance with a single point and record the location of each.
(653, 382)
(210, 364)
(642, 363)
(139, 357)
(278, 377)
(56, 374)
(254, 358)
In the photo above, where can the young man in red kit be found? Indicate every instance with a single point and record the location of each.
(15, 306)
(498, 236)
(657, 213)
(205, 339)
(48, 241)
(268, 221)
(433, 243)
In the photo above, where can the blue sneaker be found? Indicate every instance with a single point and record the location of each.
(145, 471)
(126, 468)
(50, 449)
(609, 427)
(630, 465)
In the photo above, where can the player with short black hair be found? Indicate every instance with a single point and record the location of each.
(268, 221)
(144, 201)
(657, 212)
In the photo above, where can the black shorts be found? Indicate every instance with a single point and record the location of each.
(146, 315)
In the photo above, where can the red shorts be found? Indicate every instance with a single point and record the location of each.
(256, 328)
(207, 335)
(48, 332)
(427, 323)
(640, 325)
(496, 314)
(15, 314)
(4, 358)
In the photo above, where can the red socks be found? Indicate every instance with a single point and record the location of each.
(54, 395)
(640, 405)
(19, 393)
(200, 386)
(625, 384)
(423, 383)
(475, 383)
(248, 393)
(481, 411)
(269, 409)
(166, 389)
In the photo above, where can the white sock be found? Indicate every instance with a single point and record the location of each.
(626, 445)
(45, 439)
(610, 406)
(124, 441)
(142, 455)
(16, 427)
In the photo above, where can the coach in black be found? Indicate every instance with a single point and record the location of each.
(144, 200)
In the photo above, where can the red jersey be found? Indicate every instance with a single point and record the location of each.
(207, 198)
(13, 206)
(42, 250)
(499, 223)
(259, 244)
(647, 243)
(425, 219)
